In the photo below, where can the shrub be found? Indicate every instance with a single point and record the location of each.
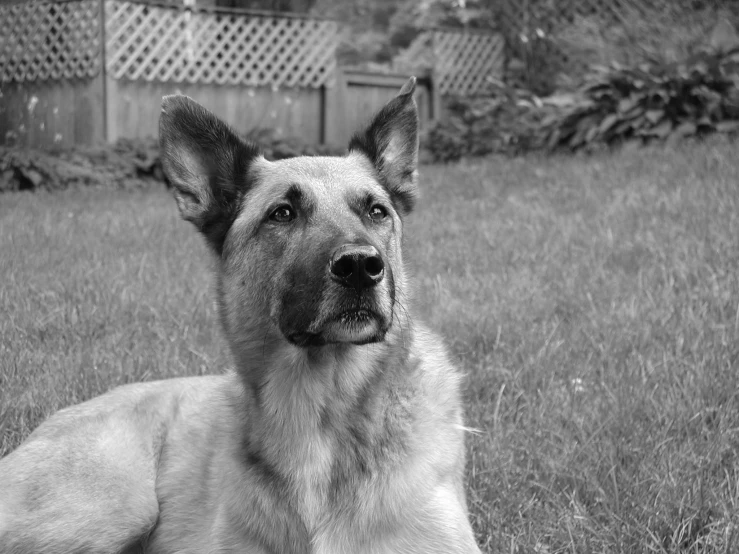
(124, 164)
(510, 121)
(654, 101)
(127, 163)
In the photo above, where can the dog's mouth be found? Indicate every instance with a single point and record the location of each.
(355, 326)
(358, 316)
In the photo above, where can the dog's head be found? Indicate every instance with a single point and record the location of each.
(309, 247)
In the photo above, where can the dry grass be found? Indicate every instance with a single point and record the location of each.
(594, 303)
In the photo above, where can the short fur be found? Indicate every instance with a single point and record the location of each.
(341, 429)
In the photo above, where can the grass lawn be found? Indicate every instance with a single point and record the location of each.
(594, 303)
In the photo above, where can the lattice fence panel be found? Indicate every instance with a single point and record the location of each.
(172, 44)
(465, 60)
(41, 41)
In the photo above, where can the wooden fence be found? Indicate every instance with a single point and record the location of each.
(157, 43)
(253, 70)
(85, 71)
(51, 83)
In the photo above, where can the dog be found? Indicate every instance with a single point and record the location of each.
(340, 431)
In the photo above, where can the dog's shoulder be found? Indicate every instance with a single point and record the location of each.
(440, 378)
(439, 420)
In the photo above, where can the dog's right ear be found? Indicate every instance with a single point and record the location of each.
(207, 164)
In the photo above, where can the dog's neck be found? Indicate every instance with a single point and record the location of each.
(310, 412)
(292, 386)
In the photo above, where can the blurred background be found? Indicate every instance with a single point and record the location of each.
(298, 76)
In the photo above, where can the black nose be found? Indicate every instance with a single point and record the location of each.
(358, 267)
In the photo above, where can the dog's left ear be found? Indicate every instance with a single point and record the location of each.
(391, 143)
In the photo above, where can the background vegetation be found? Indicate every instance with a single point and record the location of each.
(593, 303)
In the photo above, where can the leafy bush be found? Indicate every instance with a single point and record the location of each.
(509, 122)
(654, 101)
(446, 141)
(127, 163)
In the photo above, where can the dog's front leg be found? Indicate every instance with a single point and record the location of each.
(83, 482)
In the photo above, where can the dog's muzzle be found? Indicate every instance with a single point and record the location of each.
(353, 302)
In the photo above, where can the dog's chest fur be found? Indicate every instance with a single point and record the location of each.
(334, 430)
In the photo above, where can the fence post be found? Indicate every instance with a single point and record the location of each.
(324, 121)
(333, 108)
(103, 72)
(434, 96)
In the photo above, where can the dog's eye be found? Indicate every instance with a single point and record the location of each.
(377, 213)
(283, 214)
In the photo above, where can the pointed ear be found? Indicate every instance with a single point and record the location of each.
(207, 164)
(391, 144)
